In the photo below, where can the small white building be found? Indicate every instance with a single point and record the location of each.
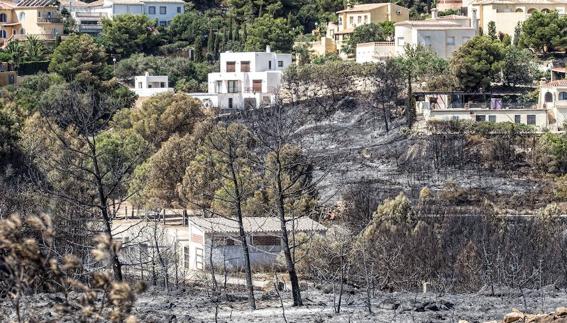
(88, 16)
(246, 80)
(221, 236)
(374, 52)
(443, 35)
(147, 85)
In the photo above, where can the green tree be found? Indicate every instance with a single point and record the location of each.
(161, 116)
(519, 66)
(416, 63)
(124, 35)
(34, 49)
(368, 33)
(478, 63)
(79, 58)
(543, 31)
(269, 31)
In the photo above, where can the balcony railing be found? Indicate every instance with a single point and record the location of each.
(39, 36)
(90, 14)
(49, 20)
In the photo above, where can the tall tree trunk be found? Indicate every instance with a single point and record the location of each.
(295, 290)
(245, 251)
(409, 108)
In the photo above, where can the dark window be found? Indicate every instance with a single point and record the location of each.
(186, 257)
(266, 241)
(257, 85)
(562, 96)
(231, 66)
(152, 10)
(178, 9)
(270, 65)
(232, 86)
(517, 118)
(531, 119)
(481, 117)
(162, 84)
(245, 66)
(280, 63)
(548, 97)
(230, 103)
(162, 10)
(492, 118)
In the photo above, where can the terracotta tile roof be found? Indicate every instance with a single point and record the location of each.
(556, 83)
(254, 224)
(6, 5)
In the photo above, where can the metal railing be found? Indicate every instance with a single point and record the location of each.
(49, 20)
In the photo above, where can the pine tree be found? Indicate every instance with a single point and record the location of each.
(492, 30)
(198, 47)
(517, 32)
(210, 41)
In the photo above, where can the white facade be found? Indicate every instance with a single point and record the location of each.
(374, 52)
(147, 85)
(89, 15)
(443, 35)
(246, 80)
(553, 97)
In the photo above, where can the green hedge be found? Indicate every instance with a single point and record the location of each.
(30, 68)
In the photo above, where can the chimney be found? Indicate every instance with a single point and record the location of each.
(474, 21)
(268, 50)
(433, 13)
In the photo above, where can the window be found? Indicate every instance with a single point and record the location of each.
(359, 19)
(365, 19)
(351, 20)
(232, 86)
(22, 16)
(257, 85)
(548, 97)
(451, 41)
(531, 119)
(162, 84)
(266, 241)
(178, 9)
(2, 34)
(480, 118)
(199, 258)
(491, 118)
(562, 96)
(219, 86)
(455, 118)
(269, 65)
(152, 10)
(280, 63)
(517, 118)
(401, 41)
(139, 85)
(3, 17)
(245, 66)
(186, 258)
(230, 103)
(162, 10)
(231, 66)
(519, 10)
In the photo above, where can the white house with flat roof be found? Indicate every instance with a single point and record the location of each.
(148, 85)
(246, 80)
(553, 97)
(443, 35)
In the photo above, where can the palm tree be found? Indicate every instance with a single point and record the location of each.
(34, 49)
(16, 51)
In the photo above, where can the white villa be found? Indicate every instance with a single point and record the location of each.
(246, 80)
(191, 238)
(89, 15)
(147, 85)
(443, 35)
(549, 113)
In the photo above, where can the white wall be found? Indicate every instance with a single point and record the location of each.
(172, 9)
(505, 115)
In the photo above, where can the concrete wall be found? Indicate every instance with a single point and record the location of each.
(374, 52)
(507, 115)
